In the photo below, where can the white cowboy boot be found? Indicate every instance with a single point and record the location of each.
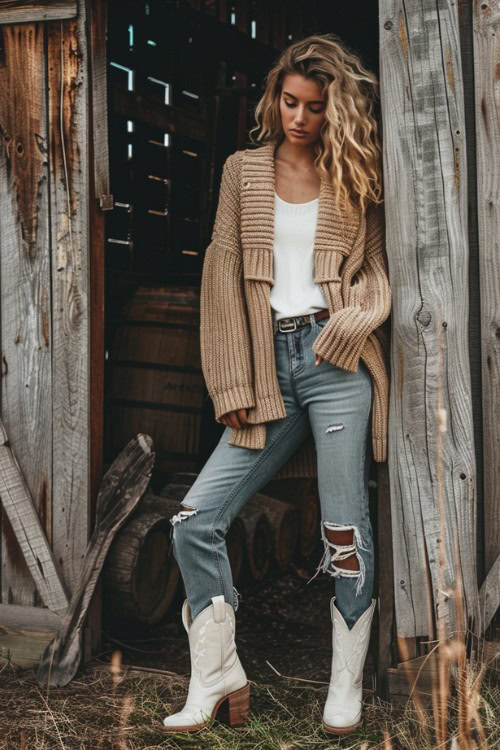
(216, 671)
(342, 712)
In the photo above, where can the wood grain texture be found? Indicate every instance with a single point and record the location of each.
(25, 632)
(490, 593)
(28, 530)
(25, 293)
(22, 11)
(432, 478)
(98, 55)
(385, 582)
(69, 197)
(34, 618)
(486, 30)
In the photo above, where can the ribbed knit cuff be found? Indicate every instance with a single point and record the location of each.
(238, 397)
(379, 446)
(342, 339)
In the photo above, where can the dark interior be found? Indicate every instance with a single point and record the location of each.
(183, 80)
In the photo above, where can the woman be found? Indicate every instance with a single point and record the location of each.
(294, 288)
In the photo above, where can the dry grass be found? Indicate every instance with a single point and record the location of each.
(111, 709)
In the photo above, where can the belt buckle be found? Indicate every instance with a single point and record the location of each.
(292, 322)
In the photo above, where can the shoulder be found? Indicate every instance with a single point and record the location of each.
(235, 164)
(235, 160)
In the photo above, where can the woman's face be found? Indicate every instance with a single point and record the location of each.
(302, 108)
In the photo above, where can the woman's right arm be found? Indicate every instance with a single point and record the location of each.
(224, 334)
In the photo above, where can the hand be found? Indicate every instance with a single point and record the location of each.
(318, 360)
(236, 418)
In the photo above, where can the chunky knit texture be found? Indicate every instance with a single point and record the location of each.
(236, 334)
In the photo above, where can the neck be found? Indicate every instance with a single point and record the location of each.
(300, 156)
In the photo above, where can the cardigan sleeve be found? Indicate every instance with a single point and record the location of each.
(369, 304)
(224, 335)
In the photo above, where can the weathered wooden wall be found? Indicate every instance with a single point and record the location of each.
(432, 462)
(486, 35)
(44, 282)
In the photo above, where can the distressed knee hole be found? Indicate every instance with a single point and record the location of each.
(344, 539)
(341, 553)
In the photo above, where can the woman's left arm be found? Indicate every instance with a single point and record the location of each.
(342, 339)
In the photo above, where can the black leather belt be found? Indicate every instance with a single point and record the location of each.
(285, 325)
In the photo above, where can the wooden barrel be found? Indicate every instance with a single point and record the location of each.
(154, 380)
(140, 574)
(303, 495)
(284, 522)
(235, 536)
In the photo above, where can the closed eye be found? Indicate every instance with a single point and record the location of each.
(290, 105)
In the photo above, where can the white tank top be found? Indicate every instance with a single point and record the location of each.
(294, 291)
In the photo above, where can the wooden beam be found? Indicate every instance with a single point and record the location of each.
(433, 475)
(99, 109)
(486, 24)
(25, 288)
(417, 677)
(22, 11)
(68, 128)
(99, 188)
(17, 503)
(385, 581)
(34, 618)
(25, 633)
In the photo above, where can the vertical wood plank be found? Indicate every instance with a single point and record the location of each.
(279, 24)
(262, 22)
(99, 110)
(385, 581)
(224, 10)
(99, 187)
(310, 17)
(294, 18)
(433, 473)
(25, 289)
(242, 16)
(486, 31)
(69, 171)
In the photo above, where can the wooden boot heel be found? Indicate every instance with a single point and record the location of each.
(239, 704)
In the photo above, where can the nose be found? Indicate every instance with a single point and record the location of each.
(300, 117)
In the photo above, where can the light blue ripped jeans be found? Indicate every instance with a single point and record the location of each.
(335, 404)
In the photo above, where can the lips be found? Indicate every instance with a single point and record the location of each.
(299, 132)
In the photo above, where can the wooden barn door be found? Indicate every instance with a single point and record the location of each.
(46, 298)
(435, 431)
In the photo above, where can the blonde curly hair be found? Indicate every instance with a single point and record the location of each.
(348, 153)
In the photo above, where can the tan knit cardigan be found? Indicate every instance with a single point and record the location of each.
(236, 332)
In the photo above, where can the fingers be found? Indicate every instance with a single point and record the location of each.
(236, 419)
